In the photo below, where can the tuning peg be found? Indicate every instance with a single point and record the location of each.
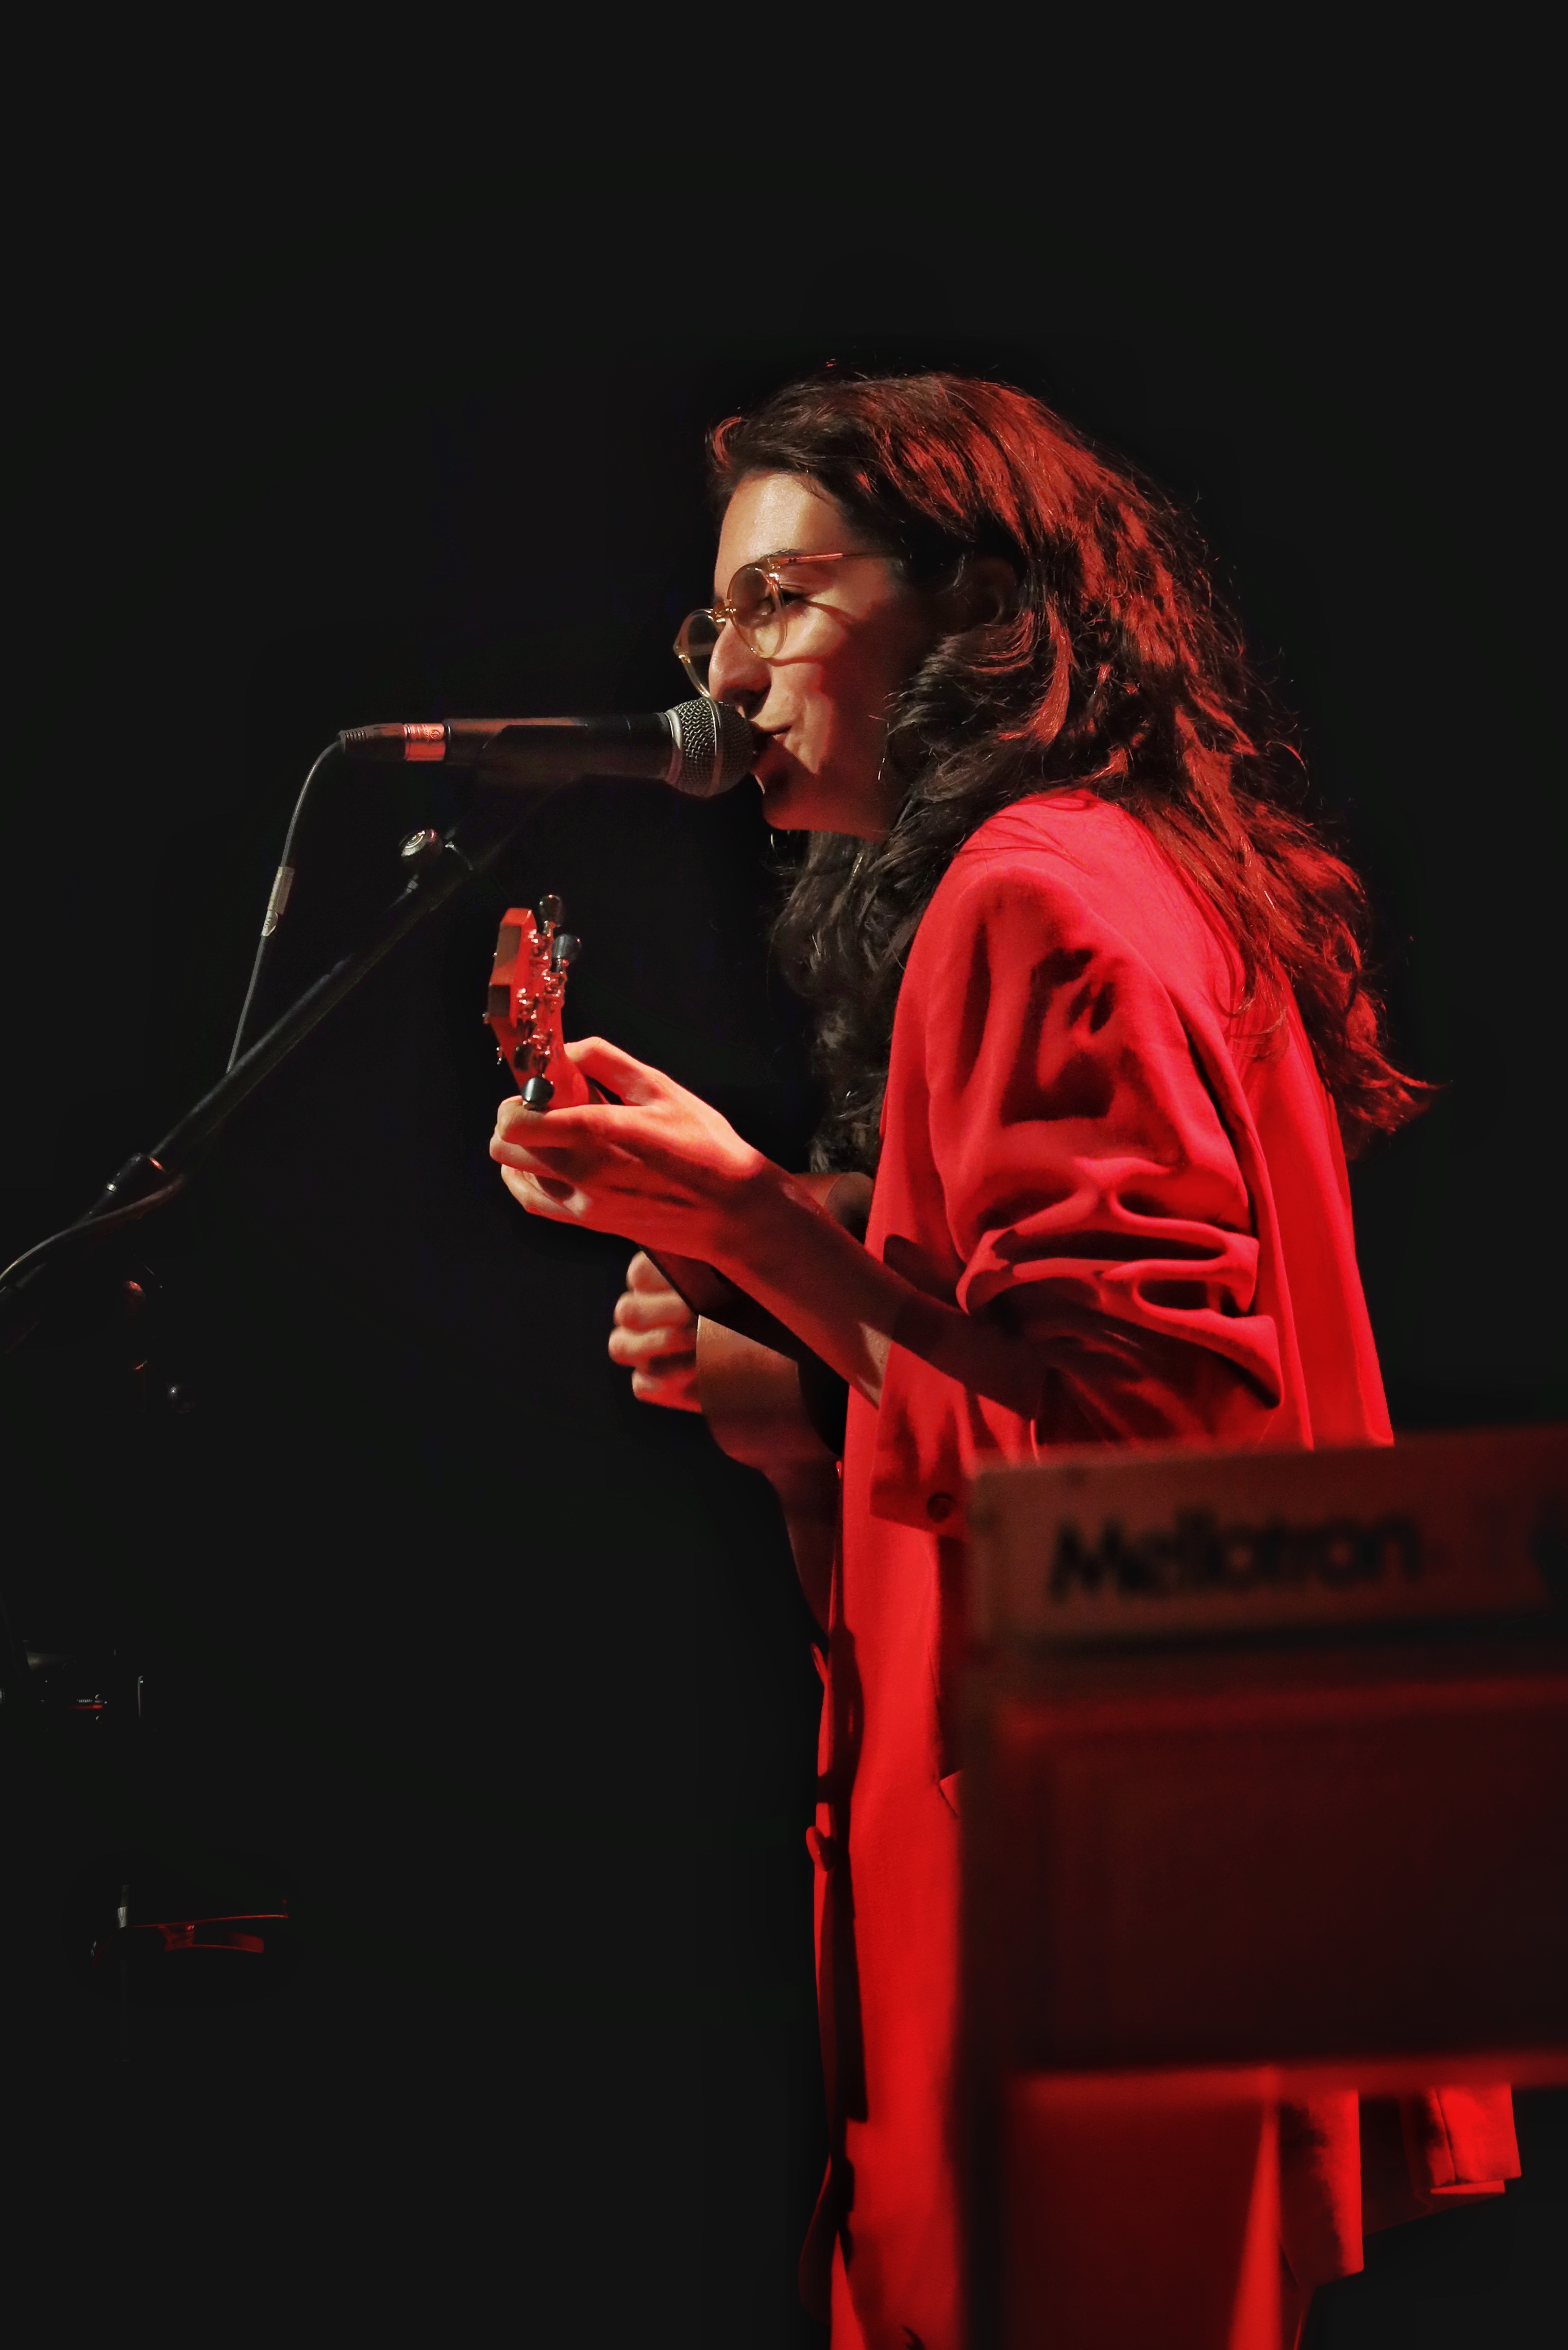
(538, 1093)
(564, 949)
(548, 910)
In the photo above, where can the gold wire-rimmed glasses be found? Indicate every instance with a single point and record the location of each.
(757, 608)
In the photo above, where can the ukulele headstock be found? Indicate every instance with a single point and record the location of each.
(528, 991)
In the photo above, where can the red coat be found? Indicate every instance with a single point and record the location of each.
(1079, 1135)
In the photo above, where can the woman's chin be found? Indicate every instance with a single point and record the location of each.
(807, 802)
(781, 797)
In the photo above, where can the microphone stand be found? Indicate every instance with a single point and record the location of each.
(45, 1278)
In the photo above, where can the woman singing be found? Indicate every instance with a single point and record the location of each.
(1090, 1007)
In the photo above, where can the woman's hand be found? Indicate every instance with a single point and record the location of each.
(658, 1165)
(655, 1338)
(666, 1170)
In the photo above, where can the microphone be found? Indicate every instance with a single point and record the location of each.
(700, 748)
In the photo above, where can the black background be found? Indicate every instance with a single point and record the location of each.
(509, 1673)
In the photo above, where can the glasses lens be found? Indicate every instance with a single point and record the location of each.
(694, 647)
(758, 616)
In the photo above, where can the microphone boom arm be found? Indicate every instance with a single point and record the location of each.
(150, 1179)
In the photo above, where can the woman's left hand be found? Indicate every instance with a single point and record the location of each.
(658, 1166)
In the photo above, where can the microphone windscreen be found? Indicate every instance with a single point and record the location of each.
(715, 747)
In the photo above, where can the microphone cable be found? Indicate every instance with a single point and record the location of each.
(277, 903)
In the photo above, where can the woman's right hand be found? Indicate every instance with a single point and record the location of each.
(655, 1338)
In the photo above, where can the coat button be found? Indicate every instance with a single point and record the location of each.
(938, 1507)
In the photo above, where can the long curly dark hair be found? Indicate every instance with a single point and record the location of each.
(1117, 669)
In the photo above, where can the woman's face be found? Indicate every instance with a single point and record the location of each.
(857, 631)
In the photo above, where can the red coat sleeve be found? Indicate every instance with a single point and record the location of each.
(1054, 1156)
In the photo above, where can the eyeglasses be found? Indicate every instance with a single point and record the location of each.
(757, 608)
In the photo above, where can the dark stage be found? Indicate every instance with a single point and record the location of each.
(500, 1680)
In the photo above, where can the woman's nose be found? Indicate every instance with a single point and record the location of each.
(734, 672)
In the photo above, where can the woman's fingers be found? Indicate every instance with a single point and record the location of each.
(549, 1166)
(528, 1158)
(520, 1132)
(655, 1338)
(514, 1118)
(558, 1141)
(654, 1314)
(676, 1390)
(544, 1195)
(643, 1274)
(653, 1309)
(634, 1081)
(660, 1164)
(635, 1349)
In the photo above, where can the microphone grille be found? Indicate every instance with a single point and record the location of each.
(714, 747)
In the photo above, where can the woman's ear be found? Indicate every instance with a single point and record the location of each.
(985, 591)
